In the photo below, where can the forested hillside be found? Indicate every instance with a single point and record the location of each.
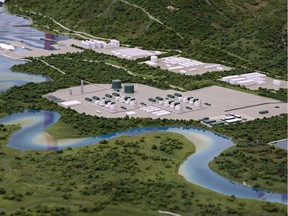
(243, 32)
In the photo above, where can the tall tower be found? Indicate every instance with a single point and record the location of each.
(82, 87)
(48, 43)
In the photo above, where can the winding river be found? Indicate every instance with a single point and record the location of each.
(34, 123)
(195, 169)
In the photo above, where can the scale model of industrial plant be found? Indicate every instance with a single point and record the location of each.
(136, 108)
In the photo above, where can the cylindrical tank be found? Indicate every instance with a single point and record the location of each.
(116, 84)
(154, 59)
(102, 103)
(178, 107)
(133, 103)
(122, 99)
(128, 88)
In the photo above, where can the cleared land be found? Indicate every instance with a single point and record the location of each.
(30, 51)
(187, 66)
(222, 101)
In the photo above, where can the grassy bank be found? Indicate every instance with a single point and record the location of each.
(135, 175)
(257, 166)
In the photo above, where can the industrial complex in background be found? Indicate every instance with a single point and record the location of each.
(212, 105)
(186, 66)
(254, 81)
(113, 48)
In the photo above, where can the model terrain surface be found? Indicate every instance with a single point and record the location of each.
(118, 107)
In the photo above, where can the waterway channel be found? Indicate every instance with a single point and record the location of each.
(15, 28)
(195, 169)
(32, 136)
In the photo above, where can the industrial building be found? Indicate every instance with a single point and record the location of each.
(216, 105)
(93, 44)
(255, 80)
(184, 65)
(114, 48)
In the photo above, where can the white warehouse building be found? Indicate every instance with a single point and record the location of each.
(97, 44)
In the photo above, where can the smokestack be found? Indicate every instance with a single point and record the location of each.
(82, 88)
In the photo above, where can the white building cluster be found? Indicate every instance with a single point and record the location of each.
(97, 44)
(246, 79)
(130, 101)
(112, 106)
(131, 53)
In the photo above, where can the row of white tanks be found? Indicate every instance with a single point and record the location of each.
(93, 44)
(178, 105)
(108, 105)
(130, 101)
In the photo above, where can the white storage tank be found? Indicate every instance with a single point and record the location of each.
(154, 59)
(133, 103)
(102, 103)
(178, 107)
(197, 103)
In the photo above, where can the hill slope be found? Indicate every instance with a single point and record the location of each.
(243, 32)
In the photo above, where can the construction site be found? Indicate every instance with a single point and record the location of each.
(213, 105)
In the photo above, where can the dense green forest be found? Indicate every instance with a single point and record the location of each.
(251, 161)
(252, 33)
(128, 175)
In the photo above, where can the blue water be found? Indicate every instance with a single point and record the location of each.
(11, 30)
(14, 28)
(195, 169)
(282, 144)
(9, 78)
